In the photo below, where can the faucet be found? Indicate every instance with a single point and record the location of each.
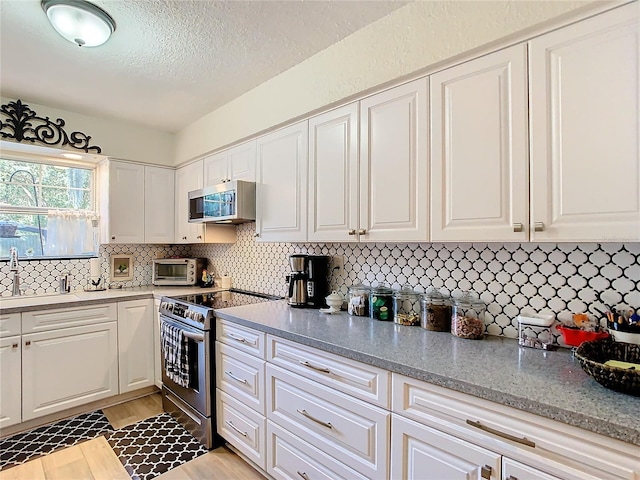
(13, 267)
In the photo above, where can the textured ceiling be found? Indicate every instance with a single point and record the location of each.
(169, 62)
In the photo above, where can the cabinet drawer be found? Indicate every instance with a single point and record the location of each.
(349, 376)
(241, 376)
(43, 320)
(243, 338)
(288, 457)
(350, 430)
(9, 324)
(553, 447)
(241, 427)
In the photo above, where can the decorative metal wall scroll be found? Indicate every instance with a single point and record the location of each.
(23, 125)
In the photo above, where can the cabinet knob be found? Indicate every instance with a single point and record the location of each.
(27, 343)
(113, 237)
(256, 235)
(15, 345)
(538, 226)
(199, 237)
(362, 231)
(517, 227)
(352, 232)
(184, 238)
(485, 472)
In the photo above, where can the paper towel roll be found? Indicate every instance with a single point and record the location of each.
(94, 268)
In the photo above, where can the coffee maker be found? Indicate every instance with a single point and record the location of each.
(308, 280)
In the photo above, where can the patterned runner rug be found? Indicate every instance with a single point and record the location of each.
(26, 446)
(154, 446)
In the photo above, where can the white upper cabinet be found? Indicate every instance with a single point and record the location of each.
(394, 176)
(333, 175)
(584, 130)
(136, 203)
(237, 163)
(159, 205)
(281, 185)
(121, 202)
(479, 161)
(188, 178)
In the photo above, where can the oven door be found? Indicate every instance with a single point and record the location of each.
(198, 393)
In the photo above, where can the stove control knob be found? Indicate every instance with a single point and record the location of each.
(189, 314)
(198, 317)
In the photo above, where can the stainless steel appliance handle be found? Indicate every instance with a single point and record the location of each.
(312, 418)
(313, 367)
(523, 441)
(237, 339)
(237, 379)
(198, 337)
(244, 434)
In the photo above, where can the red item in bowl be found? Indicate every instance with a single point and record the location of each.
(574, 336)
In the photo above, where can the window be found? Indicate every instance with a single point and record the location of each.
(47, 209)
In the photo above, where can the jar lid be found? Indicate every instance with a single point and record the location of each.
(434, 296)
(406, 291)
(382, 289)
(360, 288)
(467, 300)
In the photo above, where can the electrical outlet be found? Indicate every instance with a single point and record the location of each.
(337, 264)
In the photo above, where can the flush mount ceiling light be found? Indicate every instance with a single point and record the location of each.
(80, 22)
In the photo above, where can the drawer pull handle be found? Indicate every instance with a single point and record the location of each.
(27, 343)
(511, 477)
(538, 226)
(15, 345)
(523, 441)
(362, 231)
(485, 472)
(237, 379)
(302, 474)
(237, 339)
(244, 434)
(351, 232)
(313, 367)
(518, 227)
(310, 417)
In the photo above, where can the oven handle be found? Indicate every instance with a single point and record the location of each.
(187, 333)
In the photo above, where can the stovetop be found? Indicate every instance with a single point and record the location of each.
(197, 310)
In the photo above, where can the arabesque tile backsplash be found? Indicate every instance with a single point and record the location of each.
(561, 278)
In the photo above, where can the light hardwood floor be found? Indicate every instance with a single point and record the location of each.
(94, 459)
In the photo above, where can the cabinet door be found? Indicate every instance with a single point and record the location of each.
(68, 367)
(281, 189)
(123, 207)
(479, 158)
(135, 345)
(188, 178)
(512, 470)
(10, 391)
(242, 162)
(394, 175)
(159, 203)
(584, 130)
(333, 175)
(416, 449)
(216, 168)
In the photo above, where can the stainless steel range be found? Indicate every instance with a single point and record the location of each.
(188, 321)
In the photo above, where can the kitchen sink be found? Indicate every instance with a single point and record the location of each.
(42, 299)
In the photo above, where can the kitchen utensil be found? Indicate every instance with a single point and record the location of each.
(573, 337)
(592, 356)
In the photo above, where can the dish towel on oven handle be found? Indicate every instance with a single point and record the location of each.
(175, 351)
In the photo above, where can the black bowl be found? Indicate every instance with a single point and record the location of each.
(592, 356)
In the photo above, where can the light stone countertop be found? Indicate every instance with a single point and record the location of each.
(547, 383)
(80, 298)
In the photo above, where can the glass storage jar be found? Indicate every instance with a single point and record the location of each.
(406, 306)
(467, 317)
(381, 303)
(435, 312)
(358, 303)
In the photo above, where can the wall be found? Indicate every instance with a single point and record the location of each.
(560, 278)
(117, 138)
(408, 40)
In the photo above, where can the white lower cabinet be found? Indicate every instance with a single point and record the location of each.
(289, 457)
(350, 430)
(68, 367)
(418, 450)
(135, 345)
(10, 371)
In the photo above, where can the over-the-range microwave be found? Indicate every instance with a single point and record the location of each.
(178, 271)
(229, 202)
